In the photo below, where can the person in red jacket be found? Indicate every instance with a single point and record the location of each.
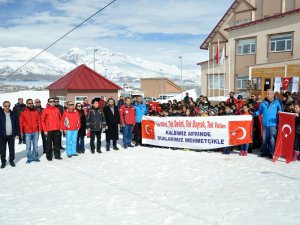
(51, 126)
(70, 124)
(30, 125)
(231, 100)
(128, 119)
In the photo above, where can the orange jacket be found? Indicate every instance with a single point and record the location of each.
(50, 118)
(70, 120)
(30, 121)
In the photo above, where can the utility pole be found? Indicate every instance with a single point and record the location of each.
(95, 58)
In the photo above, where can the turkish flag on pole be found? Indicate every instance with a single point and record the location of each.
(217, 52)
(285, 137)
(285, 83)
(154, 106)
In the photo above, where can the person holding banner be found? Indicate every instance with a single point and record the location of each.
(269, 109)
(140, 111)
(128, 119)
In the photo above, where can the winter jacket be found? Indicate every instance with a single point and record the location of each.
(14, 124)
(18, 108)
(121, 102)
(82, 129)
(50, 118)
(127, 115)
(70, 120)
(95, 119)
(140, 111)
(112, 122)
(60, 108)
(231, 101)
(270, 112)
(30, 121)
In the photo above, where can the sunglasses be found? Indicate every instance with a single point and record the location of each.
(37, 102)
(6, 106)
(29, 103)
(51, 101)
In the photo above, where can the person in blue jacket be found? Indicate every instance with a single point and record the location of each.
(269, 109)
(140, 111)
(9, 130)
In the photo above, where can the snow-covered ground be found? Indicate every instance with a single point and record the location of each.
(149, 186)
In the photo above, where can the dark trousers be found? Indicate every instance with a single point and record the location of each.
(108, 143)
(80, 144)
(21, 138)
(95, 134)
(53, 144)
(44, 139)
(10, 140)
(138, 133)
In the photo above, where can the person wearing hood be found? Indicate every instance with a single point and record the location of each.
(9, 130)
(18, 108)
(70, 124)
(30, 125)
(269, 109)
(51, 126)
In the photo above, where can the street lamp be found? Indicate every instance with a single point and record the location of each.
(161, 82)
(180, 57)
(94, 58)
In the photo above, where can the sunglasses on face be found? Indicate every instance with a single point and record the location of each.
(29, 103)
(51, 101)
(6, 106)
(37, 102)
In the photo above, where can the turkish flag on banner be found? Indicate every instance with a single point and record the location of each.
(285, 83)
(285, 137)
(155, 106)
(240, 132)
(148, 130)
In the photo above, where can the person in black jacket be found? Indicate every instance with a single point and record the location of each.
(112, 118)
(95, 123)
(9, 130)
(82, 131)
(18, 108)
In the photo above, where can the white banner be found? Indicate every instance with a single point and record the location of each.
(197, 132)
(295, 88)
(277, 84)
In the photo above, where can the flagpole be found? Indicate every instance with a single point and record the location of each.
(208, 75)
(213, 71)
(224, 62)
(229, 68)
(219, 76)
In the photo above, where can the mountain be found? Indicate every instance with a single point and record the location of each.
(118, 67)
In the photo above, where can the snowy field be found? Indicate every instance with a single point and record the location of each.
(149, 186)
(144, 186)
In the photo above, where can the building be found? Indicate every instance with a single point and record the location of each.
(153, 87)
(260, 40)
(83, 82)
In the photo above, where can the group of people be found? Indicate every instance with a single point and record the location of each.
(27, 122)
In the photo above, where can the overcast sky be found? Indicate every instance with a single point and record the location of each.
(159, 30)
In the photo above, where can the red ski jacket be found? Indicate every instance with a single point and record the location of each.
(70, 120)
(30, 121)
(50, 118)
(127, 115)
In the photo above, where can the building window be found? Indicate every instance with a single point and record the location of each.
(247, 46)
(241, 81)
(281, 43)
(216, 82)
(256, 82)
(62, 100)
(79, 99)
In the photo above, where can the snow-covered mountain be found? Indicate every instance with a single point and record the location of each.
(116, 66)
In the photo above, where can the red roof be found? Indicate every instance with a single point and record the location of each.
(83, 78)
